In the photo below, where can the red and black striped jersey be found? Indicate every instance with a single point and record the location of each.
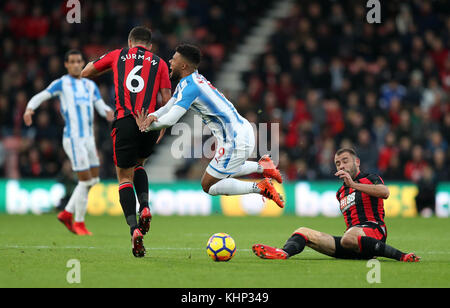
(358, 207)
(138, 76)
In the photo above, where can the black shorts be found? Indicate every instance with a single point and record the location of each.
(375, 230)
(129, 143)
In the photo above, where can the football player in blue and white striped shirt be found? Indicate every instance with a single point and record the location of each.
(233, 132)
(78, 97)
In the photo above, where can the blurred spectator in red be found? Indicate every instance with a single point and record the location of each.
(439, 53)
(387, 151)
(414, 168)
(394, 170)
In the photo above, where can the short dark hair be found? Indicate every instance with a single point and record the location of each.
(72, 52)
(141, 34)
(346, 150)
(191, 53)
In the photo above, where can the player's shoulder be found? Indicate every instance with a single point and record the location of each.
(59, 82)
(188, 82)
(111, 53)
(89, 82)
(372, 177)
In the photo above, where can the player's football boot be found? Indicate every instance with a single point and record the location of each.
(67, 219)
(80, 229)
(269, 168)
(145, 217)
(137, 242)
(267, 252)
(269, 191)
(410, 257)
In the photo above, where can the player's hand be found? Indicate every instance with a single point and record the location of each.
(140, 118)
(110, 116)
(161, 134)
(345, 176)
(148, 121)
(28, 117)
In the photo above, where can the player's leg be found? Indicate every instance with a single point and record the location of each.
(319, 241)
(87, 151)
(81, 199)
(147, 143)
(125, 153)
(265, 166)
(369, 242)
(141, 186)
(140, 182)
(127, 196)
(127, 200)
(229, 159)
(215, 183)
(78, 156)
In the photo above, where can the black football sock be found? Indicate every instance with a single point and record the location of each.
(371, 247)
(295, 244)
(141, 185)
(128, 203)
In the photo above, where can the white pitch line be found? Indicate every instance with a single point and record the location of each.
(175, 248)
(46, 247)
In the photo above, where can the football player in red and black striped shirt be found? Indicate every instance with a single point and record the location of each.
(139, 75)
(361, 203)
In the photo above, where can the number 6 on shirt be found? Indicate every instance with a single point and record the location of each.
(134, 76)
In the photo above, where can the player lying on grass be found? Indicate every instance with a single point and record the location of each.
(234, 133)
(361, 203)
(78, 97)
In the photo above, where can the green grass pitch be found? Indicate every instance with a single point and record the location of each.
(34, 251)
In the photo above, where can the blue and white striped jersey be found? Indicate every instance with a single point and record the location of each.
(77, 98)
(218, 113)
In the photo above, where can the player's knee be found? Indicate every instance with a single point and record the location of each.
(206, 187)
(307, 232)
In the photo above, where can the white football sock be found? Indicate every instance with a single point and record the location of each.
(81, 199)
(94, 181)
(70, 207)
(233, 187)
(249, 167)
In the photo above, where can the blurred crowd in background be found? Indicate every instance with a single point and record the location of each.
(327, 76)
(35, 36)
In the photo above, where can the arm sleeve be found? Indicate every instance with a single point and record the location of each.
(186, 95)
(99, 103)
(168, 119)
(164, 109)
(101, 107)
(375, 179)
(105, 62)
(54, 89)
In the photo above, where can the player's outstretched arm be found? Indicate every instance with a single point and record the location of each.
(104, 110)
(33, 104)
(168, 119)
(89, 71)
